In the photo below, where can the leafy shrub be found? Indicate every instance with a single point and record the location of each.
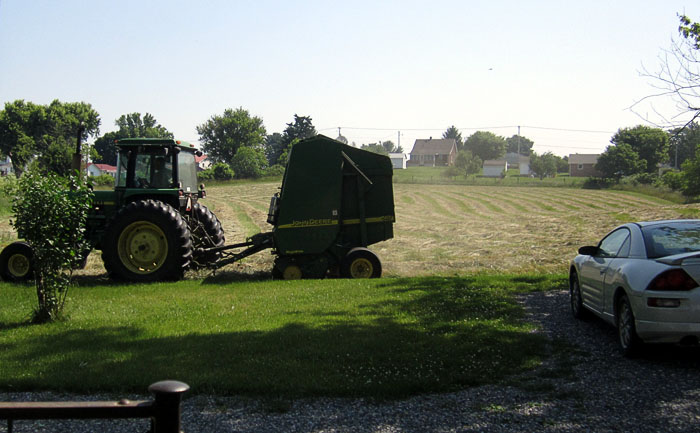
(276, 170)
(640, 179)
(249, 162)
(218, 171)
(50, 214)
(674, 180)
(452, 171)
(101, 180)
(597, 183)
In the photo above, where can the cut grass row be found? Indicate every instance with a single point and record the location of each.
(381, 338)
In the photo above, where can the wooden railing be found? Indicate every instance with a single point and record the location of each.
(163, 410)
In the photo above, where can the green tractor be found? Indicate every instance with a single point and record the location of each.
(335, 201)
(151, 226)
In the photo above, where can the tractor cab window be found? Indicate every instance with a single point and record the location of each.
(187, 171)
(153, 170)
(122, 168)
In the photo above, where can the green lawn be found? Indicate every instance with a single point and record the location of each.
(383, 338)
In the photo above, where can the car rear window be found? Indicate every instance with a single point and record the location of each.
(667, 239)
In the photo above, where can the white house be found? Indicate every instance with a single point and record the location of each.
(6, 166)
(398, 160)
(203, 162)
(495, 167)
(100, 169)
(524, 164)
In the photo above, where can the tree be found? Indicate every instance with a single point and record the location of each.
(543, 165)
(301, 128)
(682, 144)
(468, 163)
(618, 161)
(519, 142)
(249, 162)
(453, 132)
(222, 136)
(21, 124)
(376, 148)
(130, 125)
(56, 147)
(677, 78)
(47, 133)
(274, 146)
(53, 222)
(650, 144)
(486, 145)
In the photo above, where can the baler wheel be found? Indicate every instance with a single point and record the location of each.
(17, 262)
(292, 272)
(361, 263)
(147, 240)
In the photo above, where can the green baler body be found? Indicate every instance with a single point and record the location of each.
(333, 198)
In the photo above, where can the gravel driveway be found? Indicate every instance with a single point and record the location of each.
(586, 385)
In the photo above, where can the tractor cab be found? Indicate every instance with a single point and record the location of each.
(157, 167)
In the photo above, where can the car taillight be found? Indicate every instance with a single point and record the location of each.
(674, 279)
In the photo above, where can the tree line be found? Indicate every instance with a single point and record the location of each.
(44, 136)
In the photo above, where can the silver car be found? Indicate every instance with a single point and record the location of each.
(643, 278)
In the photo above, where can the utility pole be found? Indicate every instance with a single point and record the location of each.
(518, 141)
(398, 140)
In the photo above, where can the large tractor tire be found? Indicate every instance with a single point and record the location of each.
(361, 263)
(17, 262)
(206, 232)
(147, 240)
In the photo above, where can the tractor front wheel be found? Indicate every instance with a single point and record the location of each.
(147, 240)
(17, 262)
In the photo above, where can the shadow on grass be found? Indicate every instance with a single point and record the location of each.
(431, 335)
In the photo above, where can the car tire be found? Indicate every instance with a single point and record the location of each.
(630, 343)
(575, 299)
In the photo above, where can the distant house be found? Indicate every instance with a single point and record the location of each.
(515, 159)
(433, 152)
(6, 166)
(583, 165)
(524, 165)
(203, 162)
(495, 167)
(100, 169)
(398, 160)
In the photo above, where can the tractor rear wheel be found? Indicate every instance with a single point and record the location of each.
(361, 263)
(17, 262)
(206, 232)
(147, 240)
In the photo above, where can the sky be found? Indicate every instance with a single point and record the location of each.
(565, 72)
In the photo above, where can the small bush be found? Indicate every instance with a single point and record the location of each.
(674, 180)
(597, 183)
(218, 171)
(101, 180)
(276, 170)
(50, 214)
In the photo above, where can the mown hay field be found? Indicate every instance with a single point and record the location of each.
(455, 229)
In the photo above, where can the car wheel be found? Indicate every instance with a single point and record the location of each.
(630, 343)
(577, 309)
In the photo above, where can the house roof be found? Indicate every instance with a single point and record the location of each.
(198, 159)
(583, 158)
(430, 146)
(495, 162)
(105, 167)
(397, 155)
